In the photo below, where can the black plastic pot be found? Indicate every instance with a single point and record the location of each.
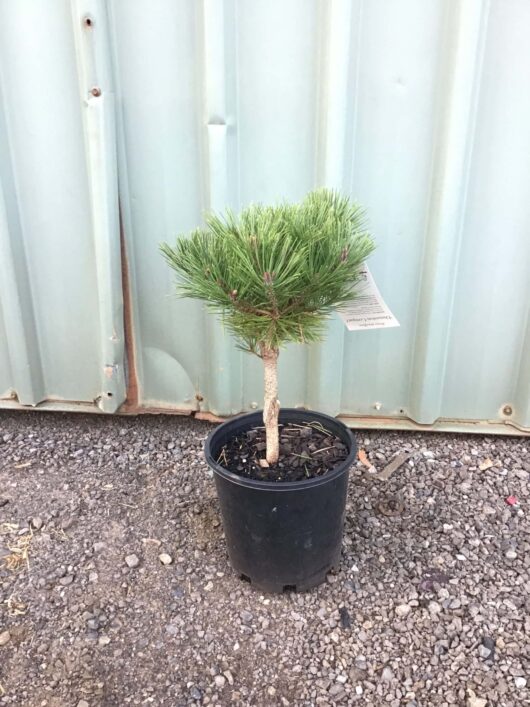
(282, 536)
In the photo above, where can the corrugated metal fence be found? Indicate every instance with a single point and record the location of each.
(122, 121)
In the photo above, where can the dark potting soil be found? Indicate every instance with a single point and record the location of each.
(306, 450)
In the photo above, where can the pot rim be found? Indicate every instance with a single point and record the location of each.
(332, 424)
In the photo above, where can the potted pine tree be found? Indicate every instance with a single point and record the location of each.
(274, 274)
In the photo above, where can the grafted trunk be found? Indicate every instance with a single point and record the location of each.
(271, 406)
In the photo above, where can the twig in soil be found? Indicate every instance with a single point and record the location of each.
(394, 465)
(324, 449)
(223, 456)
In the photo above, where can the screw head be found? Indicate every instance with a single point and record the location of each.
(507, 410)
(95, 91)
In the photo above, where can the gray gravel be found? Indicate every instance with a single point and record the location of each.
(431, 605)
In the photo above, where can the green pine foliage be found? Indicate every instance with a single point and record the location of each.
(275, 273)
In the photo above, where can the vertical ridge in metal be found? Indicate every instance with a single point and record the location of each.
(522, 386)
(15, 301)
(324, 385)
(94, 69)
(452, 161)
(224, 364)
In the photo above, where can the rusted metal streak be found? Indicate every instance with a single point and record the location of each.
(131, 403)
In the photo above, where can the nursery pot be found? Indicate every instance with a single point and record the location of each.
(282, 536)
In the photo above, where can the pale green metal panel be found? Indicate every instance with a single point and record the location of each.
(418, 109)
(60, 286)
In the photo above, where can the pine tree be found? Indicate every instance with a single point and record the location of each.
(274, 274)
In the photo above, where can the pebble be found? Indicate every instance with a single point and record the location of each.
(98, 547)
(37, 523)
(511, 555)
(484, 652)
(195, 693)
(520, 682)
(387, 674)
(335, 690)
(434, 607)
(220, 681)
(83, 703)
(132, 561)
(165, 559)
(402, 610)
(67, 580)
(5, 637)
(360, 663)
(246, 616)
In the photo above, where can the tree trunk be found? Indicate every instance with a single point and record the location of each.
(271, 406)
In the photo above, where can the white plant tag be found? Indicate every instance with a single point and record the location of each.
(368, 310)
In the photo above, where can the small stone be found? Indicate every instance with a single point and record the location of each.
(474, 701)
(402, 609)
(511, 555)
(484, 652)
(360, 663)
(132, 561)
(5, 637)
(488, 642)
(83, 703)
(98, 547)
(334, 690)
(520, 683)
(345, 620)
(219, 681)
(271, 691)
(358, 690)
(68, 579)
(165, 559)
(104, 640)
(37, 523)
(387, 674)
(208, 587)
(195, 693)
(342, 679)
(434, 607)
(246, 617)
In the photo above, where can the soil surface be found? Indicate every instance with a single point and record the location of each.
(115, 588)
(306, 450)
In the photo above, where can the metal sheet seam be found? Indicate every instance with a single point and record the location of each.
(522, 385)
(16, 297)
(325, 360)
(125, 215)
(446, 211)
(90, 30)
(224, 363)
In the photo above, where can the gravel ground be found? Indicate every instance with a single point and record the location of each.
(430, 607)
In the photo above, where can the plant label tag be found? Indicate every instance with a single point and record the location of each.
(368, 310)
